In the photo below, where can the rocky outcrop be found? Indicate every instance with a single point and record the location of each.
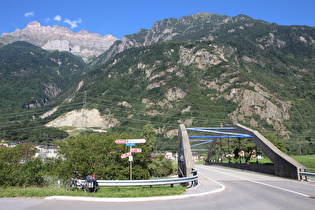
(51, 90)
(84, 118)
(37, 103)
(168, 30)
(82, 43)
(254, 101)
(251, 103)
(201, 58)
(175, 94)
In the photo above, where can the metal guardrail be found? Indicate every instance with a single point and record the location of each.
(306, 174)
(150, 182)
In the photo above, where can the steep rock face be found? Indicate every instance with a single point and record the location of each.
(251, 103)
(84, 118)
(197, 27)
(82, 43)
(200, 58)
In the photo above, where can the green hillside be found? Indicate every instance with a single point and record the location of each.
(200, 70)
(32, 78)
(163, 90)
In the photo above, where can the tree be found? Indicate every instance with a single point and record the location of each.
(149, 134)
(277, 142)
(161, 167)
(13, 164)
(280, 145)
(98, 153)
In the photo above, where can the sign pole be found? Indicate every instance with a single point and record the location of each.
(130, 170)
(130, 161)
(130, 143)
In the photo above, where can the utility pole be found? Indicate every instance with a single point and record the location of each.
(84, 116)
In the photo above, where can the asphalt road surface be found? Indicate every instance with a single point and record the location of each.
(219, 188)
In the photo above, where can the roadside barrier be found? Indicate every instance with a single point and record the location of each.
(303, 172)
(191, 181)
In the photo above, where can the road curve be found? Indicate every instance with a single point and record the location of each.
(219, 188)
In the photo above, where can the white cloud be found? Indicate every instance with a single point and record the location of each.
(73, 23)
(57, 18)
(28, 14)
(47, 19)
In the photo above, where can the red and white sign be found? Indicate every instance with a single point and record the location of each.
(137, 140)
(135, 149)
(125, 141)
(122, 141)
(126, 155)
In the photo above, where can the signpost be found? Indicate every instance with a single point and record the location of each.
(130, 143)
(135, 149)
(121, 141)
(128, 154)
(125, 141)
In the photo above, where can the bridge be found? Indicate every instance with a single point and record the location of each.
(283, 165)
(245, 190)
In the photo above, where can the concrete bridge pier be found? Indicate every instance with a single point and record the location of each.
(185, 160)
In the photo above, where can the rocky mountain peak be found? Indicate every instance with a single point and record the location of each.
(82, 43)
(34, 24)
(83, 32)
(208, 26)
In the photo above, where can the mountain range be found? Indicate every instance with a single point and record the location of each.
(201, 70)
(83, 43)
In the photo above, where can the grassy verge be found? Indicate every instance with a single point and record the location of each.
(307, 160)
(109, 192)
(265, 160)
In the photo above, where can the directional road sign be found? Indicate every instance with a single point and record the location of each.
(122, 141)
(137, 140)
(126, 155)
(125, 141)
(131, 144)
(135, 149)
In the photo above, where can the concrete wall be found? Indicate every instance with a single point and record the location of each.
(284, 165)
(185, 160)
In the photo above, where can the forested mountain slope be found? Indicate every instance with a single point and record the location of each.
(204, 84)
(32, 78)
(200, 70)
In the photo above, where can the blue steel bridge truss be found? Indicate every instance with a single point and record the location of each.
(205, 139)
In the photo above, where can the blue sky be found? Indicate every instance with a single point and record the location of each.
(123, 17)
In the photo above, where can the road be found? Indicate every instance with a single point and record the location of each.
(220, 188)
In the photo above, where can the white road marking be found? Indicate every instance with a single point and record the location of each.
(261, 183)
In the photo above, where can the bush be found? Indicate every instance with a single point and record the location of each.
(161, 167)
(99, 154)
(91, 153)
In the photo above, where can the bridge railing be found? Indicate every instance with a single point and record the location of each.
(193, 180)
(304, 173)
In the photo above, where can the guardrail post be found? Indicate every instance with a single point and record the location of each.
(239, 150)
(229, 150)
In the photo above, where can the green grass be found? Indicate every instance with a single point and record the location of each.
(109, 192)
(265, 160)
(307, 160)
